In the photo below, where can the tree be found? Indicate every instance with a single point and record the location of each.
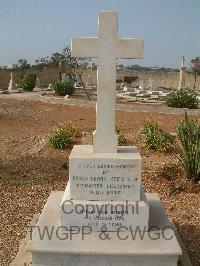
(23, 64)
(56, 59)
(41, 62)
(77, 66)
(195, 69)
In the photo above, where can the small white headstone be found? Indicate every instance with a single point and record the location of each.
(163, 84)
(11, 85)
(50, 87)
(125, 89)
(38, 85)
(151, 84)
(182, 74)
(141, 86)
(122, 86)
(65, 77)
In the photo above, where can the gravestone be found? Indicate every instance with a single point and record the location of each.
(122, 86)
(182, 74)
(38, 83)
(125, 89)
(104, 205)
(11, 85)
(151, 84)
(65, 77)
(50, 87)
(163, 84)
(106, 48)
(141, 85)
(89, 83)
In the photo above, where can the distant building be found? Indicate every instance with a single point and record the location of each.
(12, 66)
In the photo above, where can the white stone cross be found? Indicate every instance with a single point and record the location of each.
(107, 48)
(183, 62)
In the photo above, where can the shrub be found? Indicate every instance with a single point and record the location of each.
(154, 137)
(119, 80)
(184, 98)
(187, 147)
(122, 141)
(28, 82)
(129, 79)
(63, 136)
(63, 88)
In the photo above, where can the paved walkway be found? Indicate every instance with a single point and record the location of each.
(131, 107)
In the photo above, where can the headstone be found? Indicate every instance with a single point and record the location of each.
(122, 85)
(90, 82)
(76, 84)
(38, 84)
(125, 89)
(163, 84)
(50, 87)
(183, 62)
(141, 85)
(104, 196)
(11, 85)
(106, 48)
(182, 74)
(151, 84)
(65, 77)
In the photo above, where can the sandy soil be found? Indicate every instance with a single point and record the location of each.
(30, 170)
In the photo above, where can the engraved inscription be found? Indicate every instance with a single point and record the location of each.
(107, 179)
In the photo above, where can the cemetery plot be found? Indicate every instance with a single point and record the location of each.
(30, 170)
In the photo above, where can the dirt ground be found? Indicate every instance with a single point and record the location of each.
(30, 170)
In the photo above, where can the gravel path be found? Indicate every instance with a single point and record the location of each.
(133, 107)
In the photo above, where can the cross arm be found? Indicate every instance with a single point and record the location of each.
(130, 48)
(84, 47)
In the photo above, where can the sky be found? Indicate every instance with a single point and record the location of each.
(37, 28)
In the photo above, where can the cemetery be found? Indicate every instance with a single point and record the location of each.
(41, 169)
(100, 164)
(146, 87)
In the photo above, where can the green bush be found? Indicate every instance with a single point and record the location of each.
(63, 136)
(129, 80)
(122, 141)
(28, 82)
(184, 98)
(187, 147)
(154, 137)
(63, 88)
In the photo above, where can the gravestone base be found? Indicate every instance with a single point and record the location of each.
(13, 90)
(112, 215)
(105, 176)
(157, 247)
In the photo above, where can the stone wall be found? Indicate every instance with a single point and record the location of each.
(47, 76)
(159, 78)
(51, 74)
